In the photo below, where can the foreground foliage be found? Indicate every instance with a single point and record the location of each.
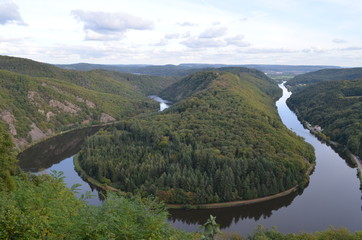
(336, 106)
(224, 141)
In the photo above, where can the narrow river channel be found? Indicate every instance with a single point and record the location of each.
(332, 198)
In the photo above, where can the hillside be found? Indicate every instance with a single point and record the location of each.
(223, 141)
(302, 80)
(38, 99)
(198, 81)
(185, 69)
(336, 106)
(95, 79)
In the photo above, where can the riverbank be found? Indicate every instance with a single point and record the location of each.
(105, 187)
(359, 166)
(342, 150)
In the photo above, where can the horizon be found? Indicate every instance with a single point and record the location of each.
(282, 32)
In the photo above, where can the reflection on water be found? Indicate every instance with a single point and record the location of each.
(45, 154)
(332, 198)
(226, 216)
(163, 103)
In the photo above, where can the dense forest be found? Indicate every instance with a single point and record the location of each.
(41, 207)
(224, 141)
(336, 106)
(38, 99)
(300, 81)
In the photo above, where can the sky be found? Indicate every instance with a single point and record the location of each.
(288, 32)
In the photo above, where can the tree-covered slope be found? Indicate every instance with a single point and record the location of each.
(98, 80)
(37, 99)
(303, 80)
(224, 141)
(336, 106)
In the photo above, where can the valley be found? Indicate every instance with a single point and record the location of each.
(222, 140)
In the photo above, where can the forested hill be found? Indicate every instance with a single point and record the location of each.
(98, 80)
(302, 80)
(224, 141)
(38, 99)
(201, 80)
(336, 106)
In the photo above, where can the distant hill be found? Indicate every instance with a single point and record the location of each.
(93, 78)
(200, 80)
(183, 70)
(222, 140)
(38, 99)
(336, 106)
(324, 75)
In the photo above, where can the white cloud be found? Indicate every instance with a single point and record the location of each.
(109, 26)
(238, 41)
(9, 13)
(339, 40)
(187, 24)
(172, 36)
(214, 32)
(203, 43)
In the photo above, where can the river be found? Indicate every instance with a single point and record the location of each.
(332, 198)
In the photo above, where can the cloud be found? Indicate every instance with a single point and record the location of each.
(161, 43)
(214, 32)
(109, 26)
(172, 36)
(238, 41)
(338, 40)
(202, 43)
(9, 13)
(187, 24)
(314, 50)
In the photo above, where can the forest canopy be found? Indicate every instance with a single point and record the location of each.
(336, 106)
(222, 141)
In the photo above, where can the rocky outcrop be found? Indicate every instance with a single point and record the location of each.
(106, 118)
(87, 102)
(35, 133)
(68, 107)
(9, 118)
(49, 115)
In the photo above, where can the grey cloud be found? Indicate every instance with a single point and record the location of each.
(172, 36)
(161, 43)
(237, 41)
(202, 43)
(9, 13)
(109, 26)
(338, 40)
(213, 32)
(351, 49)
(187, 24)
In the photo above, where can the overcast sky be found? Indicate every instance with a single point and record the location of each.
(308, 32)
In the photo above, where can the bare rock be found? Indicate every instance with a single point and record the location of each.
(35, 133)
(68, 107)
(9, 118)
(106, 118)
(90, 104)
(49, 115)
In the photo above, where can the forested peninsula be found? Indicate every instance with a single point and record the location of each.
(222, 140)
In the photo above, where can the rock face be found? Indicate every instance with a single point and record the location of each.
(35, 133)
(68, 107)
(9, 119)
(106, 118)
